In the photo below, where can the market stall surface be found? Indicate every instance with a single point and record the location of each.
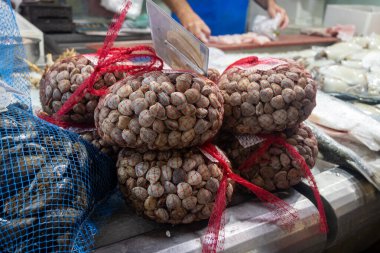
(351, 203)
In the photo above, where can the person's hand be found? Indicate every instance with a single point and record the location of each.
(192, 22)
(273, 9)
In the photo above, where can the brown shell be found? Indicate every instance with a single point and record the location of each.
(275, 169)
(252, 94)
(155, 111)
(170, 186)
(60, 81)
(94, 138)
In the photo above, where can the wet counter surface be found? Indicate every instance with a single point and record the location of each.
(351, 203)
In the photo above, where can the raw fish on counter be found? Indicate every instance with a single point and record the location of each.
(337, 78)
(371, 59)
(352, 64)
(373, 80)
(340, 116)
(350, 69)
(358, 55)
(341, 50)
(245, 38)
(374, 41)
(332, 84)
(361, 41)
(313, 65)
(339, 31)
(349, 155)
(370, 110)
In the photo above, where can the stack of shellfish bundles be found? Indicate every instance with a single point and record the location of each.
(161, 125)
(266, 101)
(268, 98)
(153, 123)
(165, 117)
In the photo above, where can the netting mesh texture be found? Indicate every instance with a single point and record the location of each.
(13, 69)
(50, 182)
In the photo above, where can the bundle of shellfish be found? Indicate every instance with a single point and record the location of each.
(160, 111)
(213, 74)
(62, 79)
(276, 169)
(94, 138)
(50, 182)
(267, 96)
(170, 186)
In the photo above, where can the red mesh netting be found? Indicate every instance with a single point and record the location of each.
(248, 61)
(272, 139)
(251, 61)
(131, 61)
(58, 122)
(284, 214)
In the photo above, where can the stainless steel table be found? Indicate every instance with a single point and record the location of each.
(351, 203)
(245, 230)
(353, 208)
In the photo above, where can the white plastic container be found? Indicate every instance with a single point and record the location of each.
(366, 18)
(27, 29)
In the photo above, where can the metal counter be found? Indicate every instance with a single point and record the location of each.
(352, 206)
(246, 229)
(353, 209)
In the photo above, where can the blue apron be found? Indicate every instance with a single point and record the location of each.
(223, 17)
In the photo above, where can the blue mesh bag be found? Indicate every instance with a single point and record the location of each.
(50, 182)
(13, 69)
(51, 178)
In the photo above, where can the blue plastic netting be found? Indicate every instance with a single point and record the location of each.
(50, 181)
(50, 178)
(13, 69)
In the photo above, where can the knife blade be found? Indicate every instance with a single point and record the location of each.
(179, 48)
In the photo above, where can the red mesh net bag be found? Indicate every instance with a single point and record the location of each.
(177, 186)
(266, 95)
(275, 169)
(63, 78)
(160, 110)
(265, 100)
(70, 89)
(283, 214)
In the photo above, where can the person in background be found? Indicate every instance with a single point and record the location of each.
(217, 17)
